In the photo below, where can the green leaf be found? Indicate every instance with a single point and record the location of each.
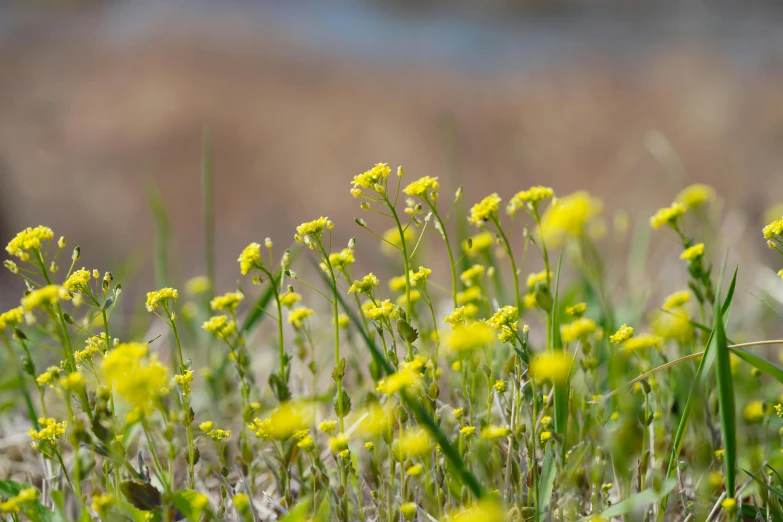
(546, 482)
(299, 512)
(769, 488)
(35, 511)
(701, 372)
(141, 494)
(406, 331)
(726, 405)
(637, 501)
(760, 363)
(190, 503)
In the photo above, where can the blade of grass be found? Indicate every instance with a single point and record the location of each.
(703, 369)
(208, 208)
(562, 390)
(162, 235)
(726, 404)
(767, 303)
(769, 488)
(415, 406)
(546, 483)
(646, 497)
(760, 363)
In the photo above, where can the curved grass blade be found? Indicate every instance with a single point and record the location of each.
(703, 369)
(546, 483)
(726, 404)
(760, 363)
(646, 497)
(414, 405)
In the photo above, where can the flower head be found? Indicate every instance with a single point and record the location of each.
(136, 377)
(50, 432)
(220, 325)
(470, 337)
(492, 432)
(78, 281)
(12, 317)
(472, 276)
(578, 329)
(677, 299)
(29, 239)
(365, 285)
(693, 252)
(529, 198)
(694, 196)
(422, 187)
(624, 333)
(484, 210)
(372, 177)
(298, 315)
(45, 296)
(554, 366)
(668, 216)
(774, 229)
(250, 258)
(227, 302)
(198, 285)
(568, 216)
(642, 342)
(158, 297)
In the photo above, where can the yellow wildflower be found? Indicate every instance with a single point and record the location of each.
(219, 435)
(415, 470)
(250, 258)
(530, 198)
(306, 444)
(339, 261)
(676, 300)
(45, 296)
(398, 381)
(228, 302)
(198, 285)
(472, 276)
(480, 243)
(343, 321)
(567, 217)
(205, 426)
(28, 239)
(315, 228)
(397, 284)
(220, 325)
(136, 377)
(553, 366)
(289, 299)
(78, 281)
(101, 503)
(383, 310)
(642, 341)
(365, 285)
(48, 377)
(412, 443)
(184, 381)
(372, 177)
(161, 296)
(11, 317)
(422, 186)
(576, 310)
(73, 382)
(328, 426)
(754, 412)
(694, 196)
(667, 216)
(624, 333)
(694, 252)
(339, 443)
(493, 432)
(419, 276)
(467, 430)
(469, 295)
(672, 323)
(50, 432)
(470, 337)
(484, 210)
(298, 316)
(545, 436)
(538, 277)
(578, 329)
(487, 509)
(773, 229)
(408, 510)
(529, 300)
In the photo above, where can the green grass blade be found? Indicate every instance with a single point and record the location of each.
(728, 414)
(760, 363)
(767, 303)
(421, 415)
(701, 372)
(561, 391)
(766, 486)
(546, 482)
(634, 502)
(207, 188)
(162, 235)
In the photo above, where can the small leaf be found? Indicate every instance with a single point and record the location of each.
(141, 494)
(406, 331)
(546, 482)
(190, 503)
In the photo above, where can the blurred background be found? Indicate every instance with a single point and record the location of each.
(102, 103)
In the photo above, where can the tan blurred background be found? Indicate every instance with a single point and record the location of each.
(100, 99)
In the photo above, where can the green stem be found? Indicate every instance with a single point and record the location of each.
(408, 307)
(511, 259)
(448, 250)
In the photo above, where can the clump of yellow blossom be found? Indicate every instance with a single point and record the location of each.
(536, 278)
(198, 285)
(472, 276)
(220, 325)
(78, 281)
(383, 310)
(622, 334)
(412, 443)
(408, 510)
(365, 285)
(668, 216)
(530, 199)
(470, 337)
(50, 432)
(289, 299)
(677, 299)
(45, 296)
(578, 329)
(371, 178)
(642, 341)
(29, 239)
(553, 366)
(14, 504)
(485, 210)
(694, 196)
(422, 187)
(227, 302)
(460, 315)
(476, 245)
(12, 317)
(693, 252)
(298, 315)
(576, 310)
(250, 258)
(754, 412)
(160, 297)
(568, 216)
(136, 377)
(492, 432)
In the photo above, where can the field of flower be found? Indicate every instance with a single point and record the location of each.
(475, 390)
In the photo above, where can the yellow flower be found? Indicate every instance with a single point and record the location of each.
(467, 430)
(578, 329)
(470, 337)
(298, 316)
(408, 509)
(398, 381)
(283, 423)
(376, 421)
(384, 310)
(219, 435)
(415, 470)
(50, 432)
(624, 333)
(184, 381)
(469, 295)
(101, 503)
(205, 426)
(48, 377)
(73, 382)
(480, 243)
(315, 228)
(694, 252)
(136, 377)
(460, 315)
(365, 285)
(306, 443)
(499, 386)
(250, 258)
(161, 296)
(28, 239)
(553, 366)
(529, 300)
(719, 454)
(493, 432)
(754, 412)
(422, 186)
(241, 502)
(339, 443)
(773, 229)
(343, 321)
(372, 177)
(290, 299)
(530, 198)
(729, 504)
(487, 509)
(576, 310)
(694, 196)
(11, 317)
(45, 296)
(198, 285)
(397, 284)
(78, 281)
(546, 420)
(676, 300)
(472, 276)
(545, 436)
(220, 325)
(538, 277)
(484, 210)
(328, 426)
(419, 276)
(412, 443)
(672, 323)
(667, 216)
(369, 446)
(228, 302)
(567, 217)
(339, 261)
(642, 341)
